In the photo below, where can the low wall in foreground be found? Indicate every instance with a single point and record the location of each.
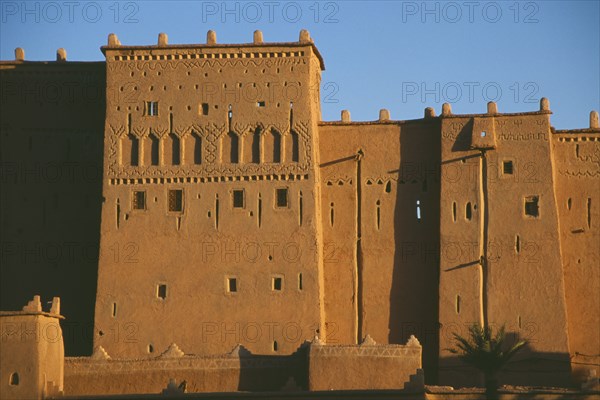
(365, 366)
(236, 371)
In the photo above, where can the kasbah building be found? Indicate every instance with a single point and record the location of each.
(247, 245)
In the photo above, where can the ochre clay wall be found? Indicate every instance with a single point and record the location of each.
(51, 124)
(224, 373)
(576, 168)
(388, 287)
(483, 201)
(31, 345)
(336, 367)
(230, 118)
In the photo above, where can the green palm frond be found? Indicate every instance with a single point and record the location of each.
(484, 350)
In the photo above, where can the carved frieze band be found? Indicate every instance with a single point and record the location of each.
(212, 136)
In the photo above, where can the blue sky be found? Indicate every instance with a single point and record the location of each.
(400, 55)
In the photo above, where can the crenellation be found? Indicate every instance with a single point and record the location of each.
(544, 104)
(258, 37)
(211, 37)
(594, 120)
(19, 54)
(429, 113)
(61, 55)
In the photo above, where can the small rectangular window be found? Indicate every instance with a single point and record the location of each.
(238, 198)
(282, 197)
(277, 283)
(232, 285)
(152, 108)
(507, 167)
(139, 200)
(532, 207)
(260, 104)
(204, 108)
(161, 291)
(176, 200)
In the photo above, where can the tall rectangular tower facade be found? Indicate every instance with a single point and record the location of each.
(210, 219)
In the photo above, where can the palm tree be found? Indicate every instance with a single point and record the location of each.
(486, 352)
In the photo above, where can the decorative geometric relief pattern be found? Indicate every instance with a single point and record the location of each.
(211, 135)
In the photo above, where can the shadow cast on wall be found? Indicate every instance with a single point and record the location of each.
(51, 152)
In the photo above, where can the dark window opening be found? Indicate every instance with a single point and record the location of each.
(150, 348)
(154, 142)
(204, 108)
(114, 309)
(458, 304)
(282, 197)
(231, 285)
(176, 200)
(275, 345)
(454, 211)
(295, 147)
(507, 167)
(532, 207)
(152, 108)
(161, 291)
(300, 281)
(468, 212)
(238, 198)
(276, 146)
(260, 104)
(14, 379)
(134, 154)
(234, 152)
(175, 149)
(139, 200)
(277, 283)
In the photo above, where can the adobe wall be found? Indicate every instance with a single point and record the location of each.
(31, 345)
(391, 293)
(365, 366)
(51, 119)
(237, 371)
(521, 285)
(577, 157)
(213, 135)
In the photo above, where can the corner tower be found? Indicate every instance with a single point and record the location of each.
(210, 216)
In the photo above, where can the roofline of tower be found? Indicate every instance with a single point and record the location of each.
(217, 46)
(396, 122)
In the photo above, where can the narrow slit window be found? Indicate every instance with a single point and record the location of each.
(275, 345)
(589, 212)
(150, 348)
(517, 244)
(507, 167)
(204, 108)
(175, 200)
(454, 211)
(232, 285)
(161, 291)
(458, 304)
(300, 281)
(331, 213)
(532, 207)
(378, 214)
(569, 203)
(139, 200)
(114, 309)
(281, 197)
(468, 211)
(238, 198)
